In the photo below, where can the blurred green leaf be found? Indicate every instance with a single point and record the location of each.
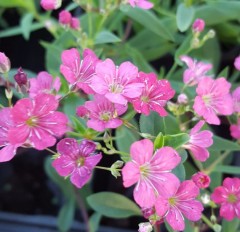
(113, 205)
(25, 24)
(229, 169)
(28, 4)
(94, 221)
(180, 172)
(230, 226)
(220, 144)
(106, 37)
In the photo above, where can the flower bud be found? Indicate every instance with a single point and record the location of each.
(201, 180)
(4, 63)
(211, 34)
(237, 63)
(205, 198)
(51, 4)
(21, 77)
(182, 99)
(75, 24)
(145, 227)
(65, 17)
(198, 25)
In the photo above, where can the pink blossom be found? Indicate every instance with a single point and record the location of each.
(65, 17)
(182, 99)
(51, 4)
(79, 72)
(5, 64)
(144, 4)
(235, 130)
(198, 25)
(196, 70)
(154, 96)
(76, 160)
(8, 150)
(37, 122)
(44, 83)
(236, 100)
(150, 171)
(178, 202)
(237, 63)
(201, 180)
(213, 99)
(102, 113)
(75, 24)
(228, 196)
(118, 84)
(199, 141)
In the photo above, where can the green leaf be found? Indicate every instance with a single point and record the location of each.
(231, 226)
(25, 24)
(227, 169)
(220, 144)
(106, 37)
(29, 4)
(183, 49)
(224, 72)
(150, 21)
(66, 216)
(159, 141)
(113, 205)
(180, 172)
(185, 16)
(176, 141)
(94, 222)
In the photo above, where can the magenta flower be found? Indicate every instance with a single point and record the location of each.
(178, 202)
(199, 141)
(235, 130)
(37, 122)
(237, 63)
(213, 99)
(144, 4)
(102, 113)
(154, 96)
(236, 100)
(150, 171)
(75, 24)
(79, 72)
(201, 180)
(5, 64)
(76, 160)
(65, 17)
(44, 83)
(118, 84)
(196, 70)
(198, 25)
(51, 4)
(8, 150)
(228, 196)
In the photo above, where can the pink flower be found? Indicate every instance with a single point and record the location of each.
(51, 4)
(201, 180)
(102, 113)
(199, 141)
(150, 171)
(118, 84)
(44, 83)
(228, 196)
(198, 25)
(196, 70)
(144, 4)
(65, 17)
(37, 122)
(213, 99)
(5, 64)
(75, 24)
(182, 99)
(79, 72)
(178, 202)
(76, 160)
(237, 63)
(236, 100)
(155, 95)
(8, 150)
(235, 130)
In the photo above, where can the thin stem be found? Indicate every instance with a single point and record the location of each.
(173, 68)
(51, 151)
(128, 30)
(207, 221)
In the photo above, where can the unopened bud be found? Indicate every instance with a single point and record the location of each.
(205, 198)
(217, 228)
(65, 17)
(9, 94)
(211, 34)
(145, 227)
(213, 219)
(75, 23)
(182, 99)
(4, 63)
(198, 25)
(115, 168)
(195, 43)
(237, 63)
(21, 77)
(51, 4)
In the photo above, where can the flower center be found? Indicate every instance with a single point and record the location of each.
(232, 198)
(32, 121)
(106, 116)
(172, 201)
(207, 99)
(145, 98)
(144, 170)
(115, 88)
(80, 161)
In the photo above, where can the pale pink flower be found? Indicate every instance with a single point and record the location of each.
(65, 17)
(199, 141)
(79, 72)
(151, 172)
(235, 130)
(76, 160)
(237, 63)
(118, 84)
(5, 64)
(75, 24)
(8, 150)
(196, 70)
(154, 96)
(228, 196)
(213, 99)
(236, 100)
(102, 113)
(37, 122)
(144, 4)
(44, 83)
(198, 25)
(201, 180)
(182, 99)
(145, 227)
(51, 4)
(178, 202)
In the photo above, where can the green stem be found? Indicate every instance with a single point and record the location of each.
(207, 221)
(171, 71)
(51, 151)
(107, 169)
